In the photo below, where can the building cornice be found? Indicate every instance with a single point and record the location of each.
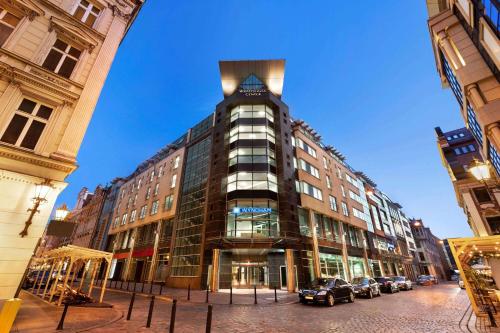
(20, 155)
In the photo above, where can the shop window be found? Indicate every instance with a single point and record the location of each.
(62, 58)
(27, 125)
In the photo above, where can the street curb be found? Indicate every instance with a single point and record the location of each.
(114, 320)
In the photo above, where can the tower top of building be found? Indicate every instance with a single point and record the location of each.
(270, 72)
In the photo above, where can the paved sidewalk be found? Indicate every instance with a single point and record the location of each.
(36, 316)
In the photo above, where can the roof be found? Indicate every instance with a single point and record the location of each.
(270, 72)
(77, 252)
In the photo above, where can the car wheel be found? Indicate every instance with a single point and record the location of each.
(370, 294)
(303, 301)
(330, 301)
(351, 298)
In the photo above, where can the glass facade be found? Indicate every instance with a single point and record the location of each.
(187, 247)
(261, 220)
(491, 11)
(474, 125)
(494, 157)
(331, 266)
(356, 266)
(252, 181)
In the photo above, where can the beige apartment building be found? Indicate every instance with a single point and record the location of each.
(54, 59)
(141, 231)
(465, 39)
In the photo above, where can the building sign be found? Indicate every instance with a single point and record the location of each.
(252, 92)
(256, 210)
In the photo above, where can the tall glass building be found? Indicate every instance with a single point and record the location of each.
(251, 197)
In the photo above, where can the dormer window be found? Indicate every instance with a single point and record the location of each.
(8, 23)
(86, 12)
(62, 58)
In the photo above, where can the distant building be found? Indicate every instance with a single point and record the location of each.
(449, 255)
(430, 252)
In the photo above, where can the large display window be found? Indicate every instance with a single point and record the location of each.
(252, 219)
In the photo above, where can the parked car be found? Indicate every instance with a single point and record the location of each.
(403, 283)
(32, 276)
(366, 287)
(424, 280)
(327, 291)
(434, 279)
(461, 283)
(387, 285)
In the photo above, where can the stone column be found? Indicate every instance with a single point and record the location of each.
(450, 51)
(75, 131)
(290, 270)
(344, 252)
(215, 269)
(315, 252)
(154, 258)
(129, 257)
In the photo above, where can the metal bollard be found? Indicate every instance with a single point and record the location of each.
(172, 316)
(231, 295)
(150, 313)
(208, 290)
(209, 319)
(63, 316)
(121, 284)
(161, 288)
(135, 282)
(128, 284)
(493, 322)
(131, 306)
(255, 294)
(142, 288)
(275, 295)
(151, 288)
(189, 292)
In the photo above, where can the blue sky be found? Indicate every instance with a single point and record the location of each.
(363, 76)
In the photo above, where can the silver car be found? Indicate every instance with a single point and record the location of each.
(403, 283)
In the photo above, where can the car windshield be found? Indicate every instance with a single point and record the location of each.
(423, 277)
(380, 279)
(359, 280)
(399, 278)
(321, 282)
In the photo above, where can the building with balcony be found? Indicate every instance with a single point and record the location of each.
(465, 39)
(54, 58)
(251, 197)
(479, 200)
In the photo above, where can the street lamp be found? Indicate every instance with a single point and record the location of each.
(480, 171)
(41, 191)
(61, 213)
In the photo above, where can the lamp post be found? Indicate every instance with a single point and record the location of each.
(481, 171)
(41, 191)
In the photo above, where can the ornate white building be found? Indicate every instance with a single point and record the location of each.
(55, 56)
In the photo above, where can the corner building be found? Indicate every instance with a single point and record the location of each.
(255, 200)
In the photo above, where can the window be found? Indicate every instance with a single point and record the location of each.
(309, 168)
(345, 211)
(491, 10)
(142, 214)
(176, 162)
(132, 216)
(148, 193)
(151, 176)
(311, 190)
(27, 125)
(328, 182)
(333, 203)
(325, 162)
(255, 155)
(252, 181)
(157, 188)
(174, 181)
(154, 207)
(305, 147)
(135, 199)
(169, 200)
(482, 195)
(160, 171)
(86, 12)
(343, 190)
(62, 58)
(8, 23)
(457, 151)
(124, 219)
(117, 220)
(339, 172)
(139, 183)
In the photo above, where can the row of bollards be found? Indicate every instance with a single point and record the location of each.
(231, 294)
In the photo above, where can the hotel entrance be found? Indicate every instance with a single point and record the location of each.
(249, 275)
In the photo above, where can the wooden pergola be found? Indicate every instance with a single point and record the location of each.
(75, 258)
(464, 250)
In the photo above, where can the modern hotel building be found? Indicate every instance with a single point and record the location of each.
(250, 196)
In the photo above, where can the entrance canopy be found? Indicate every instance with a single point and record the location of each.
(78, 253)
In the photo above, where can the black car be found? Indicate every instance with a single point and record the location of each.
(387, 284)
(327, 291)
(364, 286)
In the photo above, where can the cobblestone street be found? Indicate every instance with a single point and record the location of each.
(441, 308)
